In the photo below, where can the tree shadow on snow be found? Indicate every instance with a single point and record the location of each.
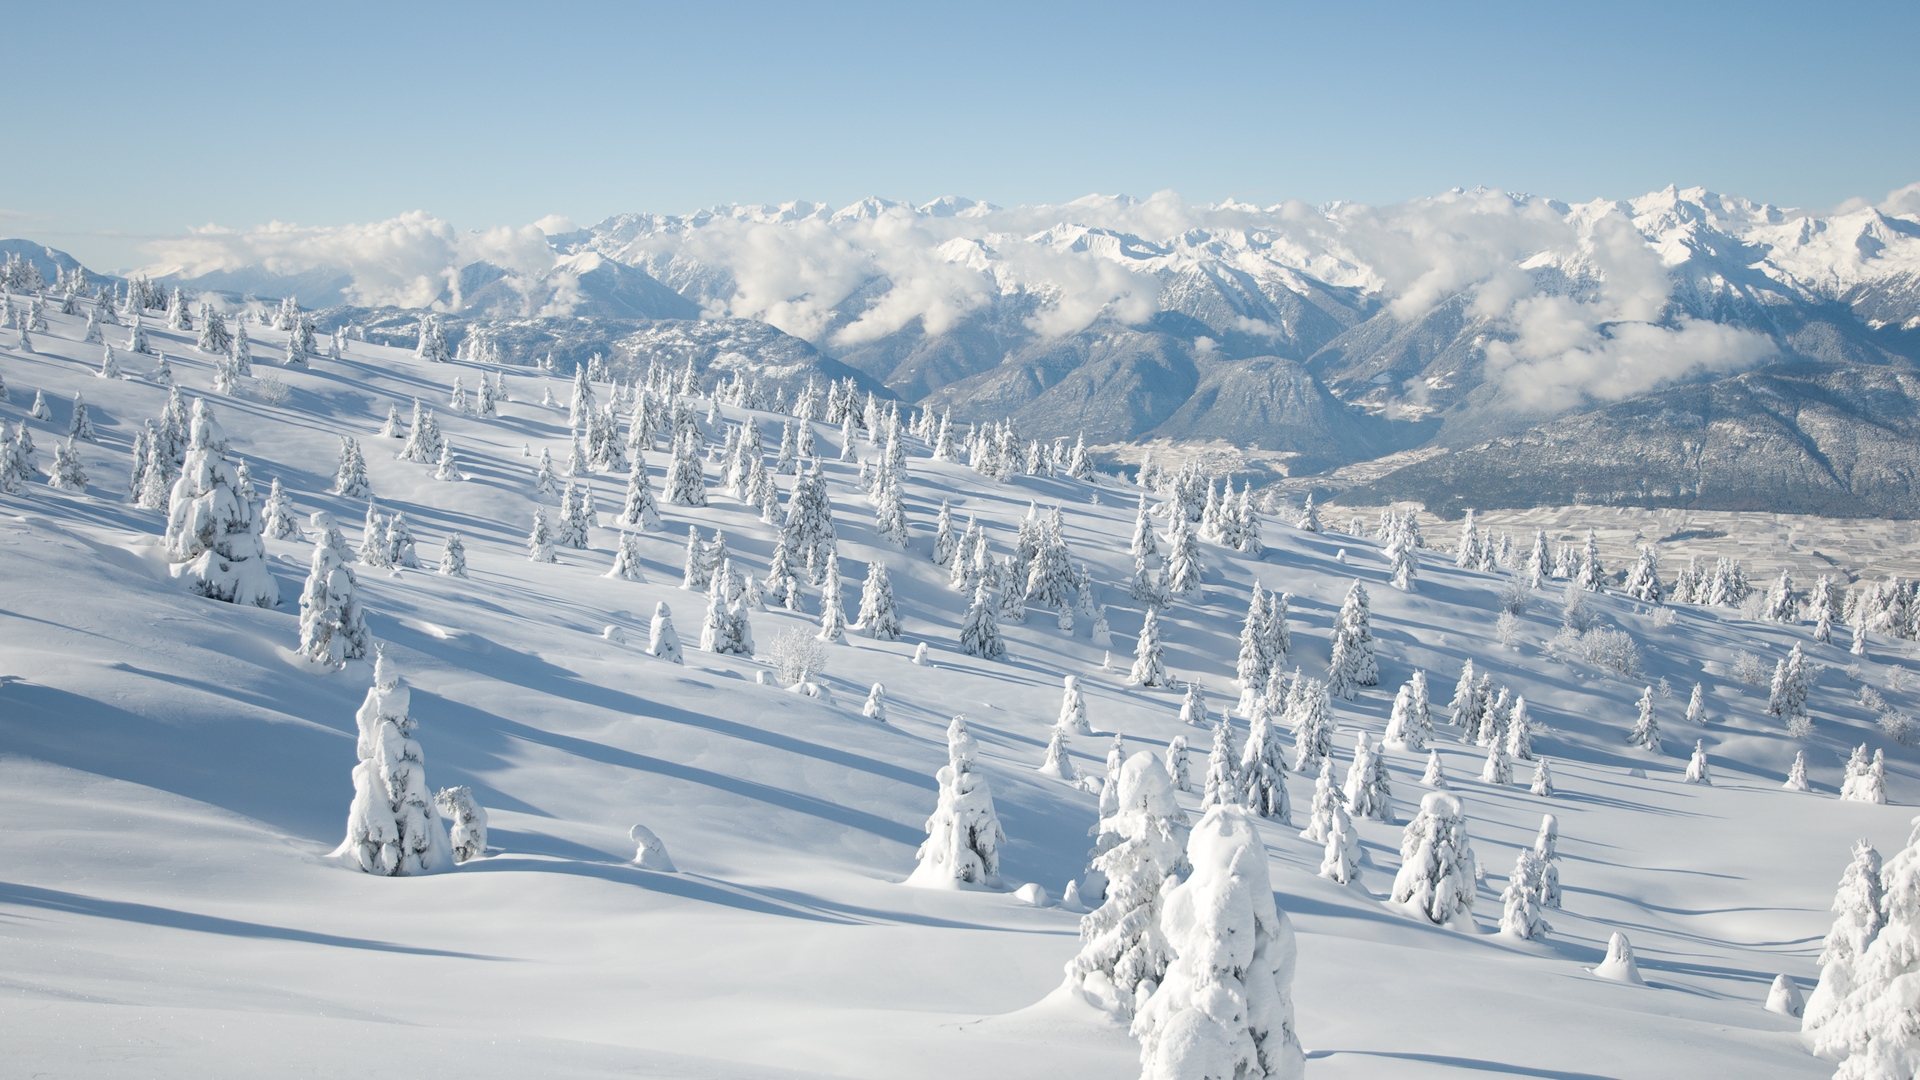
(1466, 1063)
(150, 915)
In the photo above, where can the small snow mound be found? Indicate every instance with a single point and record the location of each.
(1032, 894)
(1637, 771)
(920, 654)
(652, 854)
(1619, 965)
(1070, 899)
(763, 678)
(1785, 997)
(615, 635)
(809, 688)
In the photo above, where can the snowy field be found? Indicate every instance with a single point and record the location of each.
(173, 777)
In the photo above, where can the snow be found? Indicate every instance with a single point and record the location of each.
(174, 771)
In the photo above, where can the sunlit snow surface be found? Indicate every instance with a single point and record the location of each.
(172, 777)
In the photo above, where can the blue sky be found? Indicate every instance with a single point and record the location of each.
(144, 122)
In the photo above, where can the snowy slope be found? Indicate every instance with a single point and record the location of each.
(174, 777)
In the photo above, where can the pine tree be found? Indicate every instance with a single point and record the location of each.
(1121, 940)
(1697, 772)
(1353, 664)
(1436, 775)
(1183, 559)
(1697, 705)
(833, 613)
(1231, 944)
(1059, 762)
(333, 629)
(1149, 656)
(686, 479)
(698, 572)
(1465, 706)
(393, 827)
(1263, 769)
(1797, 774)
(210, 527)
(943, 538)
(1520, 731)
(1255, 663)
(1859, 915)
(277, 516)
(879, 616)
(1223, 779)
(1193, 708)
(350, 480)
(1499, 767)
(373, 538)
(1866, 779)
(1521, 901)
(540, 541)
(662, 642)
(1411, 723)
(1646, 729)
(1369, 789)
(1327, 797)
(1073, 707)
(1436, 878)
(453, 556)
(1310, 716)
(980, 630)
(963, 833)
(1822, 604)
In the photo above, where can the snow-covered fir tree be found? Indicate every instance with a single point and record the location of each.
(1326, 796)
(879, 614)
(1263, 769)
(449, 466)
(1183, 559)
(1436, 775)
(833, 612)
(963, 833)
(333, 629)
(980, 629)
(1123, 953)
(453, 556)
(1646, 727)
(1866, 779)
(626, 559)
(1149, 655)
(400, 543)
(1697, 705)
(393, 827)
(277, 516)
(1792, 685)
(1353, 664)
(350, 479)
(1499, 767)
(210, 527)
(1231, 944)
(1858, 917)
(1697, 771)
(1177, 764)
(1193, 707)
(1643, 580)
(1411, 723)
(1369, 789)
(1310, 716)
(1521, 902)
(662, 641)
(468, 832)
(1797, 773)
(686, 478)
(1223, 777)
(540, 540)
(1436, 878)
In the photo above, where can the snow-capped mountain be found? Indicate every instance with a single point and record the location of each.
(1324, 335)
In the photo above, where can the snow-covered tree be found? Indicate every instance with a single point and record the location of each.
(1436, 775)
(1797, 774)
(1590, 574)
(1792, 685)
(1858, 919)
(1255, 662)
(1697, 771)
(373, 538)
(277, 516)
(1326, 797)
(1866, 778)
(1520, 731)
(1643, 580)
(1466, 705)
(1646, 728)
(626, 559)
(453, 556)
(1149, 656)
(1542, 779)
(943, 536)
(1436, 878)
(1369, 790)
(210, 528)
(1263, 769)
(1225, 1007)
(1177, 764)
(963, 833)
(423, 436)
(979, 629)
(1411, 723)
(1353, 664)
(468, 834)
(1073, 707)
(1309, 517)
(1193, 707)
(540, 539)
(1521, 902)
(333, 629)
(1823, 608)
(400, 543)
(833, 612)
(1697, 705)
(350, 480)
(67, 473)
(1123, 953)
(392, 827)
(879, 616)
(1223, 778)
(1145, 545)
(1183, 558)
(1059, 762)
(1310, 715)
(662, 642)
(1499, 767)
(686, 479)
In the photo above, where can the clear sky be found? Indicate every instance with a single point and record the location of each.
(135, 121)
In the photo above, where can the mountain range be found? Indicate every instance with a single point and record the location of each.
(1682, 348)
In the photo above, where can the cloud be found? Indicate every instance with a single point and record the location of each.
(1904, 201)
(407, 261)
(1561, 360)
